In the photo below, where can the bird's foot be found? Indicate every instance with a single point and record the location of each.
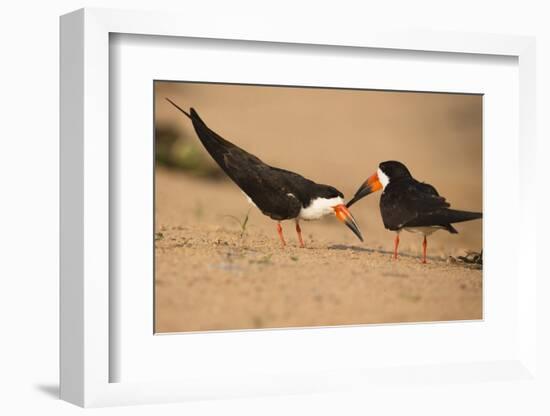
(424, 250)
(280, 232)
(299, 232)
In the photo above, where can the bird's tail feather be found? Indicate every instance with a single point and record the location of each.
(216, 145)
(451, 229)
(209, 138)
(460, 216)
(178, 107)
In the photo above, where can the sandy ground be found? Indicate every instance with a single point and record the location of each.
(209, 277)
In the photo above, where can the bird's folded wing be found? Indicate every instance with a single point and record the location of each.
(268, 187)
(416, 204)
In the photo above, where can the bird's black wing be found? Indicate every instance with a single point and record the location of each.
(411, 203)
(416, 204)
(269, 188)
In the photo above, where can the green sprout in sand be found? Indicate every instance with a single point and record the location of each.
(242, 223)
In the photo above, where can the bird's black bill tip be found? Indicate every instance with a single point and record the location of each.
(353, 200)
(353, 227)
(343, 214)
(360, 194)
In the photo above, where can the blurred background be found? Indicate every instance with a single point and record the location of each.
(331, 136)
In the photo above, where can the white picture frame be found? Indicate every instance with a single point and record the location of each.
(86, 357)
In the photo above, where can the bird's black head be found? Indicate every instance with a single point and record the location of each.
(394, 170)
(387, 172)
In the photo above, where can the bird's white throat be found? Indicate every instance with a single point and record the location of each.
(319, 207)
(383, 178)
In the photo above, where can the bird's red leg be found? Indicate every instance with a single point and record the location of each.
(299, 231)
(280, 231)
(395, 246)
(424, 249)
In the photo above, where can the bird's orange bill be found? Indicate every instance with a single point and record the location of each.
(372, 184)
(343, 214)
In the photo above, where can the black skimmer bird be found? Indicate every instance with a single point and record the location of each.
(407, 204)
(278, 193)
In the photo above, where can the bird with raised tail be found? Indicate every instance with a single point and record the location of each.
(407, 204)
(277, 193)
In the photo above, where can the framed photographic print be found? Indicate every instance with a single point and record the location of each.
(266, 213)
(220, 265)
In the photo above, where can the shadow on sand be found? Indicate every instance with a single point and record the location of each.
(378, 251)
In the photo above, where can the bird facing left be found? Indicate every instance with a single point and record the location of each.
(279, 194)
